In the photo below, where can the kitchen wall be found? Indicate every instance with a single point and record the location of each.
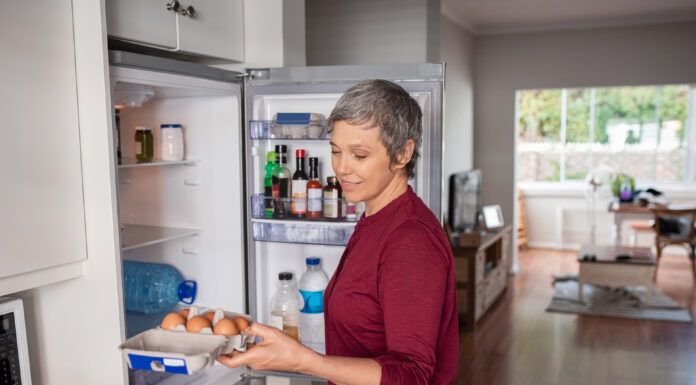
(372, 31)
(457, 51)
(650, 54)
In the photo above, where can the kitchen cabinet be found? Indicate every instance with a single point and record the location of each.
(42, 226)
(211, 28)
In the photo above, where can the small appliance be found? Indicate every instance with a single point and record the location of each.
(14, 355)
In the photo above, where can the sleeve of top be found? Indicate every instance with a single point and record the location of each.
(412, 283)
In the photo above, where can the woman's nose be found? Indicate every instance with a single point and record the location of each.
(341, 165)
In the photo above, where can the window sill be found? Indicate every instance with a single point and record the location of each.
(580, 189)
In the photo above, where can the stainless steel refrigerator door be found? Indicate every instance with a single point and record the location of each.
(426, 81)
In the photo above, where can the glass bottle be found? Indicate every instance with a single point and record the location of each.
(144, 144)
(333, 199)
(281, 182)
(314, 191)
(285, 306)
(268, 184)
(299, 187)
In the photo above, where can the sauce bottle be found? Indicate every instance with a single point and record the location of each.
(333, 199)
(314, 191)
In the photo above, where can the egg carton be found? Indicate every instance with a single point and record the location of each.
(179, 351)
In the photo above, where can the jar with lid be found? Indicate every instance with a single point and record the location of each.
(144, 144)
(171, 142)
(333, 199)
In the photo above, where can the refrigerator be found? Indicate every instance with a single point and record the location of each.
(201, 215)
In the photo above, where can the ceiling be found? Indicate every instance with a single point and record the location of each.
(513, 16)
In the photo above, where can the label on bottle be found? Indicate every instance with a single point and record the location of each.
(299, 197)
(331, 204)
(139, 148)
(314, 200)
(313, 301)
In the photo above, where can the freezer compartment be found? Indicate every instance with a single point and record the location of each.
(323, 233)
(269, 129)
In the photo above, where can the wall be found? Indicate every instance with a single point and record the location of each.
(457, 51)
(372, 31)
(654, 54)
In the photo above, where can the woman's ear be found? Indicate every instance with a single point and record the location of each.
(405, 155)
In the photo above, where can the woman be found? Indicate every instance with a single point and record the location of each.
(390, 307)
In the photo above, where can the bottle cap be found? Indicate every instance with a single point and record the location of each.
(142, 128)
(313, 161)
(281, 148)
(313, 261)
(285, 276)
(271, 156)
(170, 125)
(331, 180)
(300, 153)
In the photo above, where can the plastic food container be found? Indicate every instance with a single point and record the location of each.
(179, 351)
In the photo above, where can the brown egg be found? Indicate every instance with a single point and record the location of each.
(209, 316)
(185, 313)
(241, 323)
(226, 327)
(173, 320)
(197, 323)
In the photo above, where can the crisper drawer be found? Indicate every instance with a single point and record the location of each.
(301, 232)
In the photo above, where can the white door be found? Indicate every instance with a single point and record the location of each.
(148, 22)
(42, 224)
(216, 29)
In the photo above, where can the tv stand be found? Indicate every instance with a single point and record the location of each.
(481, 272)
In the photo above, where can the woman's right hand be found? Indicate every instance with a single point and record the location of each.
(275, 351)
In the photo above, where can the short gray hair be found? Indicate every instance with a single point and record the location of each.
(388, 106)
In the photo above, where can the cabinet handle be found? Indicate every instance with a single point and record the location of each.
(173, 6)
(189, 11)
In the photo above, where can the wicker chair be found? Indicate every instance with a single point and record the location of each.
(664, 238)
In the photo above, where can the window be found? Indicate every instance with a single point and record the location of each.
(643, 131)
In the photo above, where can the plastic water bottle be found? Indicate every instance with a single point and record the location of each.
(312, 286)
(154, 287)
(285, 306)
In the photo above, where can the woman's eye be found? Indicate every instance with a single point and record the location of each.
(334, 152)
(360, 156)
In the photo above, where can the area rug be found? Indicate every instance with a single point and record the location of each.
(622, 303)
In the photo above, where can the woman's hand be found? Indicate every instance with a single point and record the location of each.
(277, 351)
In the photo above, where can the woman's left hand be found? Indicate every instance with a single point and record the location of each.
(276, 351)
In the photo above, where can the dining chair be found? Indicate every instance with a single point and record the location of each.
(676, 226)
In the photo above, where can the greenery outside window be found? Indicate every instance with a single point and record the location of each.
(646, 131)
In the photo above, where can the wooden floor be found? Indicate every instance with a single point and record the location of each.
(519, 343)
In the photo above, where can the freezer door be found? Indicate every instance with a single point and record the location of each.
(321, 86)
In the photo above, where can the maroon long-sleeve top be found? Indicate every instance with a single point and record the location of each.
(393, 296)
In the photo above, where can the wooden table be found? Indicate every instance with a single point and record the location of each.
(627, 211)
(606, 270)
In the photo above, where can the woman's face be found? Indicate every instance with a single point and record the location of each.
(361, 162)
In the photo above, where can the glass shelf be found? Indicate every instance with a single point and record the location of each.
(269, 129)
(132, 162)
(135, 236)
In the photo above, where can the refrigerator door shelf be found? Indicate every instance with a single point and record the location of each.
(324, 233)
(260, 202)
(268, 129)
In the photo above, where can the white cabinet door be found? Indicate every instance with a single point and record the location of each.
(42, 222)
(142, 21)
(216, 29)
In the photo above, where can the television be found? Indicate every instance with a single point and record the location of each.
(464, 201)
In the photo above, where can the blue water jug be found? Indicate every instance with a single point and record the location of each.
(155, 287)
